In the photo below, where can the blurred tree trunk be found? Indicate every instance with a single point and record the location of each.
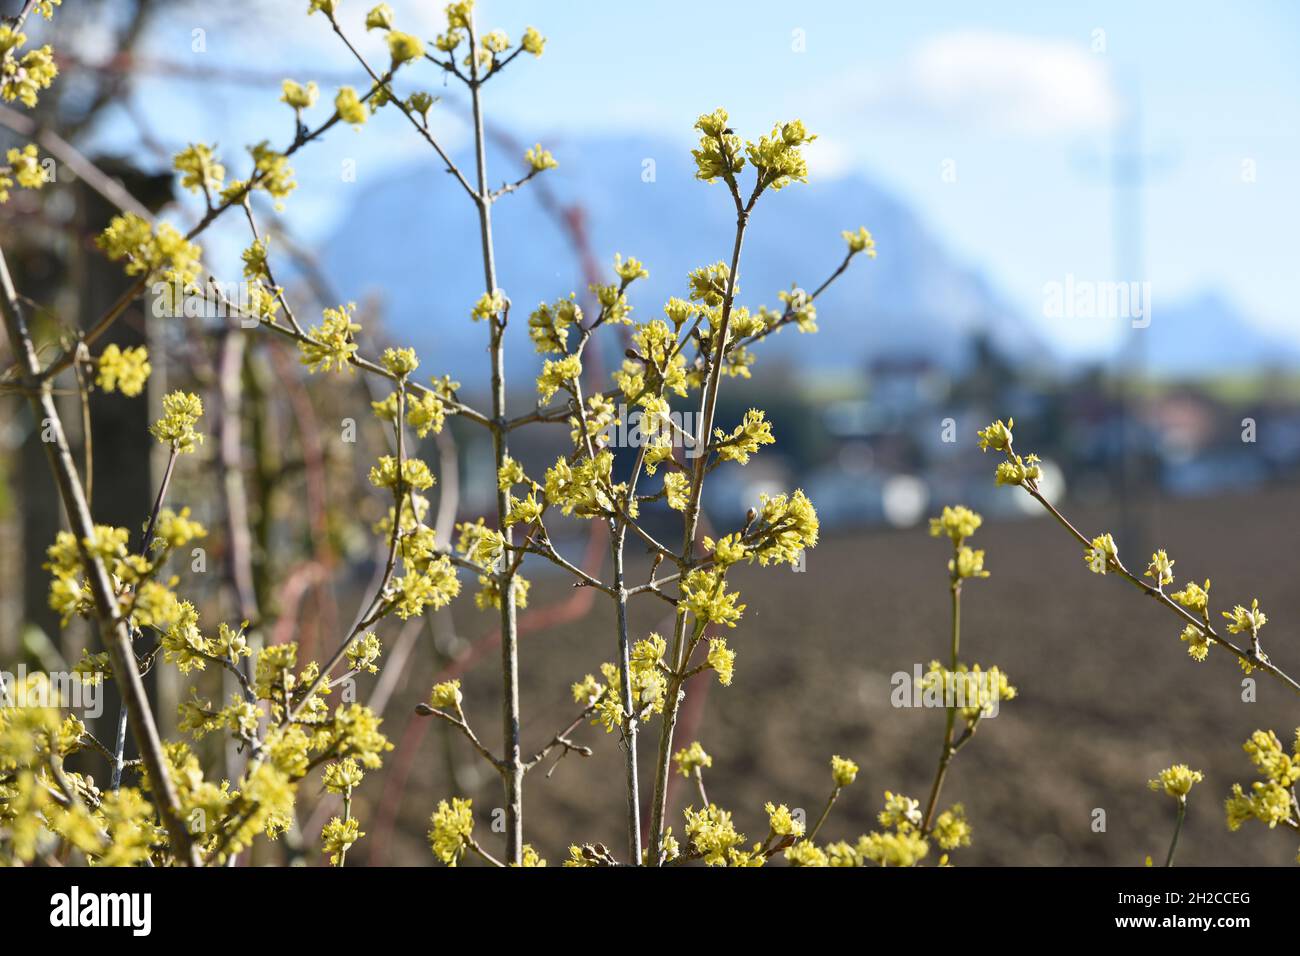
(122, 449)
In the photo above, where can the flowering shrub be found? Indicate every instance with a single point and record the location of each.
(170, 809)
(1272, 801)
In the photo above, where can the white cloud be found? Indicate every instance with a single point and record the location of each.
(828, 158)
(998, 81)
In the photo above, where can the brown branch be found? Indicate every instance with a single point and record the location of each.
(1204, 626)
(460, 723)
(561, 739)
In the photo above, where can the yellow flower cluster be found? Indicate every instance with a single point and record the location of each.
(489, 306)
(399, 362)
(860, 241)
(1176, 781)
(123, 370)
(183, 644)
(692, 758)
(900, 847)
(120, 829)
(446, 696)
(451, 830)
(719, 154)
(1198, 642)
(1015, 470)
(711, 835)
(538, 159)
(901, 843)
(677, 488)
(175, 529)
(584, 489)
(744, 439)
(1270, 800)
(200, 172)
(363, 653)
(479, 543)
(181, 412)
(967, 563)
(425, 411)
(708, 284)
(587, 691)
(778, 158)
(958, 523)
(843, 771)
(332, 344)
(349, 107)
(722, 659)
(380, 17)
(415, 475)
(24, 165)
(548, 325)
(528, 856)
(495, 41)
(950, 829)
(404, 47)
(1241, 620)
(271, 173)
(343, 775)
(975, 692)
(430, 579)
(489, 592)
(1194, 597)
(155, 253)
(781, 822)
(23, 77)
(533, 42)
(786, 527)
(1102, 555)
(557, 374)
(805, 853)
(799, 307)
(705, 594)
(647, 670)
(997, 436)
(659, 368)
(338, 836)
(1160, 568)
(298, 96)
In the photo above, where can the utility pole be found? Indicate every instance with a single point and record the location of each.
(1128, 173)
(1126, 170)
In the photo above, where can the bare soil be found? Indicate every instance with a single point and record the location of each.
(1107, 696)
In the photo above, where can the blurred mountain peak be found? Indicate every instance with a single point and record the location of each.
(412, 235)
(1207, 332)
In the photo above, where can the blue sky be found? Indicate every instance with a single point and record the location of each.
(1020, 100)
